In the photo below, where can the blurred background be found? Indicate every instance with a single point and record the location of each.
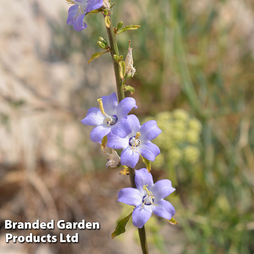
(194, 62)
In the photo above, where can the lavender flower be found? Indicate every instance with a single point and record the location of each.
(110, 117)
(78, 11)
(148, 198)
(136, 142)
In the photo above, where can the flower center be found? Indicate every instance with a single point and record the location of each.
(135, 141)
(111, 120)
(148, 199)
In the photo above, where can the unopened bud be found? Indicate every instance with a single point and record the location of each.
(115, 57)
(119, 25)
(103, 41)
(101, 45)
(120, 58)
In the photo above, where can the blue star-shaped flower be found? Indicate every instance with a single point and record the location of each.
(136, 142)
(110, 117)
(148, 198)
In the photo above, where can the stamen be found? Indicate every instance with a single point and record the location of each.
(101, 107)
(135, 141)
(138, 134)
(109, 120)
(150, 197)
(145, 188)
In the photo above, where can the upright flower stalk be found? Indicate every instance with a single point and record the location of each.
(114, 51)
(115, 129)
(121, 95)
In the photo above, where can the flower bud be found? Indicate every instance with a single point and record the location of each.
(115, 57)
(119, 25)
(120, 58)
(103, 41)
(101, 45)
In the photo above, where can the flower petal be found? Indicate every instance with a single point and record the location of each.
(149, 150)
(117, 142)
(164, 209)
(162, 189)
(130, 196)
(93, 5)
(134, 123)
(142, 177)
(125, 106)
(129, 157)
(122, 128)
(94, 117)
(149, 131)
(98, 133)
(78, 23)
(140, 216)
(110, 104)
(72, 13)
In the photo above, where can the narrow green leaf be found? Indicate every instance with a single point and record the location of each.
(122, 69)
(107, 21)
(172, 221)
(148, 164)
(96, 55)
(126, 28)
(120, 228)
(129, 89)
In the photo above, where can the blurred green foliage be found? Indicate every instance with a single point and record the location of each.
(193, 60)
(179, 138)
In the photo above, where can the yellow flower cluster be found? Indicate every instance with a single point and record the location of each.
(179, 138)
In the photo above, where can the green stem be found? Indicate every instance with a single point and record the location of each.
(114, 51)
(141, 231)
(120, 91)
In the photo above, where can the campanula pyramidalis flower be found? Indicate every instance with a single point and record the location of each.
(136, 142)
(110, 117)
(78, 11)
(147, 198)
